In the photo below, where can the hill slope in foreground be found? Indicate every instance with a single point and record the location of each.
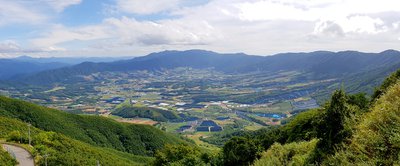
(367, 137)
(80, 139)
(63, 150)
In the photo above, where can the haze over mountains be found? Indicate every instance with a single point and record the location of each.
(318, 64)
(67, 60)
(11, 67)
(23, 65)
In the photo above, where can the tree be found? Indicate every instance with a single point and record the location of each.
(334, 129)
(387, 83)
(241, 151)
(15, 136)
(178, 155)
(360, 100)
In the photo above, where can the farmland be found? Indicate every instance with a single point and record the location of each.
(180, 100)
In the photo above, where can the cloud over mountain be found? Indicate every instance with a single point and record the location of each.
(136, 27)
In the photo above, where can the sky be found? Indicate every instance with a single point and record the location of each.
(76, 28)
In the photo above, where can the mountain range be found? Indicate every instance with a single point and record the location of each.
(26, 65)
(67, 60)
(344, 66)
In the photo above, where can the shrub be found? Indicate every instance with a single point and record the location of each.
(295, 153)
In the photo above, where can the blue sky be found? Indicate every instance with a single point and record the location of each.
(44, 28)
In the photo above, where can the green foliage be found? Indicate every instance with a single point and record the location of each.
(145, 112)
(387, 83)
(348, 133)
(303, 127)
(360, 100)
(332, 124)
(333, 130)
(295, 153)
(267, 137)
(377, 138)
(14, 136)
(178, 155)
(374, 141)
(63, 150)
(220, 138)
(6, 159)
(95, 130)
(241, 151)
(336, 126)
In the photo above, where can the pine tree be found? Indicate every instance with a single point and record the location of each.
(334, 129)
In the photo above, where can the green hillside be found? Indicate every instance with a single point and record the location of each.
(295, 153)
(135, 139)
(376, 140)
(347, 130)
(5, 158)
(145, 112)
(61, 149)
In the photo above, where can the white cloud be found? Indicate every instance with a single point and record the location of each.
(60, 5)
(9, 46)
(350, 16)
(273, 10)
(11, 13)
(59, 34)
(31, 12)
(311, 9)
(328, 28)
(251, 26)
(167, 32)
(146, 6)
(362, 24)
(123, 32)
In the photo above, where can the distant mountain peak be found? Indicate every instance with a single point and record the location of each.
(22, 57)
(350, 52)
(194, 51)
(390, 51)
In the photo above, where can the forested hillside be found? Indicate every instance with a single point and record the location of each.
(94, 130)
(145, 112)
(61, 149)
(350, 129)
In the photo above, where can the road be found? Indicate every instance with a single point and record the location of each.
(23, 157)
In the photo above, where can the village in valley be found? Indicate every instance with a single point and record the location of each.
(192, 102)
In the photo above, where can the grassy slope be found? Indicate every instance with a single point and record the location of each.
(295, 153)
(95, 130)
(5, 158)
(145, 112)
(63, 150)
(377, 138)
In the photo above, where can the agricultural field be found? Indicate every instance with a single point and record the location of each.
(179, 100)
